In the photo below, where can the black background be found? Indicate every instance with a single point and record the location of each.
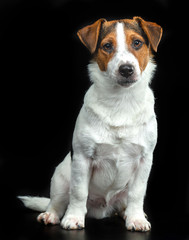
(43, 79)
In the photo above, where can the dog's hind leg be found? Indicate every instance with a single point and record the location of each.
(59, 193)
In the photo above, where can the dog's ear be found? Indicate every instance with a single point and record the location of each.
(152, 30)
(89, 35)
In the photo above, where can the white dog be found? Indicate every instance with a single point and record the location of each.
(115, 133)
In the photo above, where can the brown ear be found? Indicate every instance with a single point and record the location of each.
(152, 30)
(89, 35)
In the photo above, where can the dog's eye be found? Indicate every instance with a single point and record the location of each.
(108, 47)
(137, 44)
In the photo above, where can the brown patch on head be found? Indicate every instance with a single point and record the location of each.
(152, 30)
(146, 34)
(106, 45)
(141, 52)
(100, 39)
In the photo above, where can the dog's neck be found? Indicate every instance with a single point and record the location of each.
(115, 103)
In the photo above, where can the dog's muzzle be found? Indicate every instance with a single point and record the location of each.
(127, 75)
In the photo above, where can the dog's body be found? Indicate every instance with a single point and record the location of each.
(115, 133)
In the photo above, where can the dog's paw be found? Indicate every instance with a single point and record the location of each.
(72, 222)
(138, 224)
(48, 218)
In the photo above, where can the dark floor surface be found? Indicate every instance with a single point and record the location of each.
(23, 226)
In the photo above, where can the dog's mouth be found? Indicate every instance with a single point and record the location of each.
(126, 82)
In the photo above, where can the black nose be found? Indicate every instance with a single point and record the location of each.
(126, 70)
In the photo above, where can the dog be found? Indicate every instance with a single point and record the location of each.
(106, 172)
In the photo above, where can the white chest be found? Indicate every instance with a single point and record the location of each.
(114, 161)
(115, 150)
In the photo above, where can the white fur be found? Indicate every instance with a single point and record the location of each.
(35, 203)
(113, 143)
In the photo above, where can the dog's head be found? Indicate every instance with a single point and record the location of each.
(122, 48)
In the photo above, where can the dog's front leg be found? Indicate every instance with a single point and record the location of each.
(80, 175)
(134, 214)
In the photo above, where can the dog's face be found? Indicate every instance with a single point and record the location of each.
(122, 48)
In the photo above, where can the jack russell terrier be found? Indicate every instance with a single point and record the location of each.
(115, 134)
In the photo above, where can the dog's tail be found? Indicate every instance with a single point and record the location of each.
(35, 203)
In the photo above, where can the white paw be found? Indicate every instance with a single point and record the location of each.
(138, 224)
(71, 222)
(48, 218)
